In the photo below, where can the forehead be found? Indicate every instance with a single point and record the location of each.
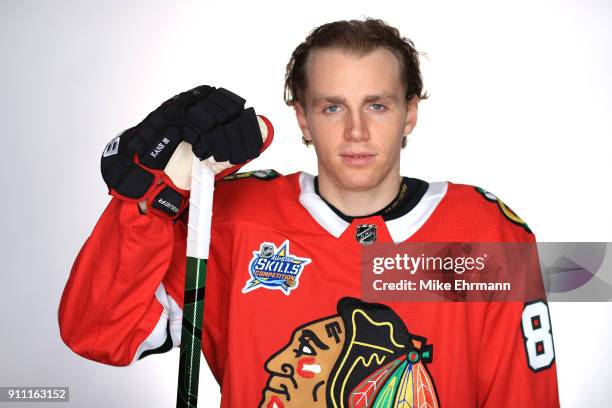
(342, 73)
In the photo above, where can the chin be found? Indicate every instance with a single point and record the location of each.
(358, 180)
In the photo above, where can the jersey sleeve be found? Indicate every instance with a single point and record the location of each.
(115, 307)
(516, 364)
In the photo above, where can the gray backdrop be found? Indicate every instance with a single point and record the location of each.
(521, 101)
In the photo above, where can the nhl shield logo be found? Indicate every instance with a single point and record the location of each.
(267, 250)
(366, 234)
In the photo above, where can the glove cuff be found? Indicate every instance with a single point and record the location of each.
(162, 196)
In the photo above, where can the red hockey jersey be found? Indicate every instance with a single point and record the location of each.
(295, 333)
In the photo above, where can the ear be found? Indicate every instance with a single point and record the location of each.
(300, 114)
(413, 113)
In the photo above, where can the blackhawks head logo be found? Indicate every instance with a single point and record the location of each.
(363, 357)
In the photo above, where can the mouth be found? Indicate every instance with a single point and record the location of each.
(308, 367)
(357, 159)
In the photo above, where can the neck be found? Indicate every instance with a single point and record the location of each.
(357, 203)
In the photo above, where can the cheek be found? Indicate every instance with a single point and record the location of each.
(307, 367)
(326, 143)
(387, 133)
(326, 129)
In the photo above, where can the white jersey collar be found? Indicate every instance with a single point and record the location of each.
(317, 208)
(400, 229)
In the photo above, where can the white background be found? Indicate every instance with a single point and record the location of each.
(520, 105)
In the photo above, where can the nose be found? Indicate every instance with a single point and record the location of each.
(356, 127)
(279, 364)
(281, 372)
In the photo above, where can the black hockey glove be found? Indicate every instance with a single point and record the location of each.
(139, 164)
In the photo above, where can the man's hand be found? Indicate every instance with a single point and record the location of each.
(151, 162)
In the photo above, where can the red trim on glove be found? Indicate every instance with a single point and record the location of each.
(267, 142)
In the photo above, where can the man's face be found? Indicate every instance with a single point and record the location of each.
(356, 115)
(299, 372)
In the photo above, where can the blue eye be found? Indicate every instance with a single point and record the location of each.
(332, 109)
(378, 107)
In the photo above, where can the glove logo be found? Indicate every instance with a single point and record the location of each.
(168, 205)
(274, 267)
(112, 147)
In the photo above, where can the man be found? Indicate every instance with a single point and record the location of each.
(283, 325)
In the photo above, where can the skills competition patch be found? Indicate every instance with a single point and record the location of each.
(274, 267)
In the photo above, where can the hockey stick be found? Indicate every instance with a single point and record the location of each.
(198, 240)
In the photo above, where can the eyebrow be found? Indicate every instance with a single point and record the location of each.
(340, 100)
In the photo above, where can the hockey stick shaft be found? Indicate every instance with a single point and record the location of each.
(198, 241)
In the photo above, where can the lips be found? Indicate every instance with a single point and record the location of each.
(356, 154)
(357, 158)
(275, 402)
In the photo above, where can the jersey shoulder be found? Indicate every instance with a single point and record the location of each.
(263, 175)
(485, 210)
(256, 195)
